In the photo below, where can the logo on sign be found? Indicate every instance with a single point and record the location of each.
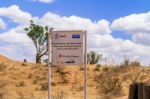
(57, 36)
(76, 36)
(70, 61)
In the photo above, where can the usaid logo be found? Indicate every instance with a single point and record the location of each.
(57, 36)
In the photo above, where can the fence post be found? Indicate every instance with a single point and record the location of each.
(133, 91)
(140, 91)
(146, 92)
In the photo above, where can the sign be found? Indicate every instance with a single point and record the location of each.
(67, 48)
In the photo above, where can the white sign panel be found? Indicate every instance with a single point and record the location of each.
(67, 48)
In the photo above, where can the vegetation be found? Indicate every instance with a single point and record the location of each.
(2, 89)
(63, 75)
(109, 85)
(127, 62)
(44, 86)
(2, 67)
(97, 68)
(93, 57)
(39, 35)
(20, 84)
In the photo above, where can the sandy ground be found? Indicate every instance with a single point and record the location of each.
(20, 80)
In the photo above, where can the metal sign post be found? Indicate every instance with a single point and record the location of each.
(67, 48)
(49, 66)
(85, 67)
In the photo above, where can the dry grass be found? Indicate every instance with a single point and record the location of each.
(27, 80)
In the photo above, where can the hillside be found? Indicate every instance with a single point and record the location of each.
(19, 80)
(4, 59)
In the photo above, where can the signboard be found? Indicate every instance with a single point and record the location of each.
(67, 48)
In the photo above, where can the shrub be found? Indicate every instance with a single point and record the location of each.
(127, 62)
(63, 75)
(105, 69)
(97, 68)
(135, 63)
(60, 95)
(79, 87)
(53, 84)
(2, 67)
(2, 89)
(34, 81)
(30, 76)
(20, 84)
(24, 64)
(109, 85)
(36, 78)
(44, 86)
(93, 57)
(81, 68)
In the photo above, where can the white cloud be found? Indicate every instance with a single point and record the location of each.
(14, 13)
(75, 22)
(133, 23)
(2, 24)
(15, 36)
(108, 44)
(142, 38)
(138, 25)
(16, 44)
(44, 1)
(116, 49)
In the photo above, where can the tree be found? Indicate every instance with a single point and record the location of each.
(93, 57)
(39, 35)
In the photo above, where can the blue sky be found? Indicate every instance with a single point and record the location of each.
(92, 9)
(121, 24)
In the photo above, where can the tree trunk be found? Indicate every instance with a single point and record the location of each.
(38, 58)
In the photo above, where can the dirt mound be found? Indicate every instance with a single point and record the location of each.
(20, 80)
(4, 59)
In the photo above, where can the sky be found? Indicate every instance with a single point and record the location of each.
(115, 28)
